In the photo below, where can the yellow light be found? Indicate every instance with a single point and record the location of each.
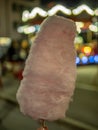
(79, 25)
(29, 30)
(81, 55)
(93, 28)
(57, 8)
(21, 28)
(25, 15)
(43, 13)
(78, 39)
(96, 12)
(38, 11)
(24, 44)
(87, 50)
(26, 29)
(5, 41)
(81, 8)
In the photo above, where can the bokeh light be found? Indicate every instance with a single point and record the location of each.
(84, 60)
(77, 60)
(96, 58)
(81, 55)
(91, 59)
(87, 50)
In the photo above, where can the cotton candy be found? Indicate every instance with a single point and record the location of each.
(50, 71)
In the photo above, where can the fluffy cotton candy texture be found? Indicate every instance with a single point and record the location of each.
(50, 71)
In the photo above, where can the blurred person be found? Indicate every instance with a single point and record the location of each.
(13, 51)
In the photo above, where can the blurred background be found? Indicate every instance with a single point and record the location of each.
(19, 23)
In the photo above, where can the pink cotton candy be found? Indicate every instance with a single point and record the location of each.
(50, 71)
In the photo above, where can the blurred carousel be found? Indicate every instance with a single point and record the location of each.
(86, 41)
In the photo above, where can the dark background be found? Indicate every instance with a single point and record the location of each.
(72, 3)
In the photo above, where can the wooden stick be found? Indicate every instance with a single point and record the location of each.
(43, 126)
